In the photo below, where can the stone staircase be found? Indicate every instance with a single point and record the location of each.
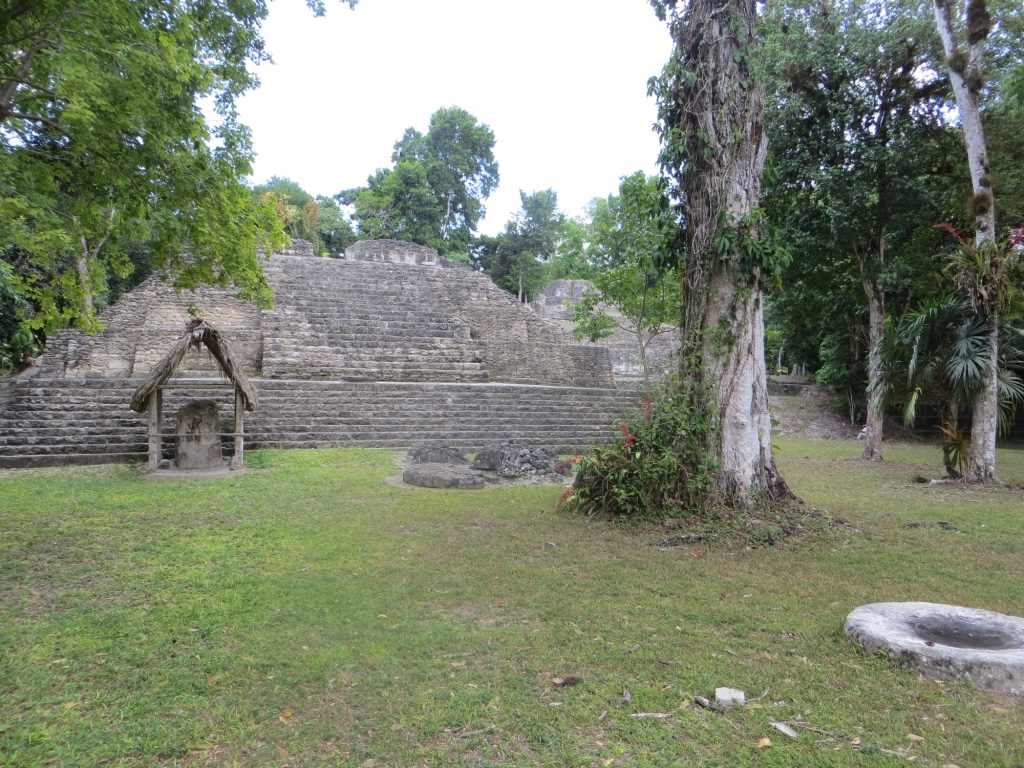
(355, 321)
(58, 421)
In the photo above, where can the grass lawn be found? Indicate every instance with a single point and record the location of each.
(312, 615)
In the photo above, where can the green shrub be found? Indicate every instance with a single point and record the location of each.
(659, 464)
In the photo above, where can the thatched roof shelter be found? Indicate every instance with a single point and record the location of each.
(198, 333)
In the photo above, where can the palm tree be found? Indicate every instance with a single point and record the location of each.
(940, 354)
(981, 270)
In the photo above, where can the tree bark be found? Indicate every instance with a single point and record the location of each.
(719, 112)
(985, 414)
(875, 411)
(965, 75)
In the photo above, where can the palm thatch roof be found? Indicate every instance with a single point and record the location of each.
(198, 332)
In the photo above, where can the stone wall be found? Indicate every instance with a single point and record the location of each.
(389, 311)
(143, 325)
(392, 252)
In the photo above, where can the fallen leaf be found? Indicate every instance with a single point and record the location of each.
(684, 704)
(283, 717)
(282, 752)
(608, 762)
(1000, 710)
(382, 615)
(915, 737)
(602, 716)
(213, 679)
(765, 742)
(626, 695)
(202, 747)
(634, 649)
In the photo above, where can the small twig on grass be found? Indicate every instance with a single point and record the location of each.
(467, 734)
(730, 722)
(700, 701)
(668, 663)
(459, 655)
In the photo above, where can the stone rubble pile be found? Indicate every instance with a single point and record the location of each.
(511, 460)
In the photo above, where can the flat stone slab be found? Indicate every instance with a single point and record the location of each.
(437, 453)
(946, 641)
(442, 476)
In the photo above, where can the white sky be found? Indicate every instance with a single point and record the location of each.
(562, 83)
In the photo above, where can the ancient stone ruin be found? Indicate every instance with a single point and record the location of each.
(388, 347)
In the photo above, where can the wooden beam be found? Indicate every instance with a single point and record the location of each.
(238, 460)
(155, 417)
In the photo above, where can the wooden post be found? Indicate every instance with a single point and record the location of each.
(155, 416)
(238, 460)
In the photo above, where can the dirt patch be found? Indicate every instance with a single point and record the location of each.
(825, 418)
(814, 418)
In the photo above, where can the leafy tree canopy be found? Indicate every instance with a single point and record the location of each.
(514, 258)
(102, 142)
(318, 220)
(634, 231)
(453, 162)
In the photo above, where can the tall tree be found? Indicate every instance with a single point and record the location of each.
(515, 257)
(711, 111)
(316, 219)
(638, 239)
(458, 156)
(857, 121)
(397, 203)
(964, 59)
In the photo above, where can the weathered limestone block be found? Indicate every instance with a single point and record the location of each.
(437, 453)
(197, 428)
(442, 476)
(392, 251)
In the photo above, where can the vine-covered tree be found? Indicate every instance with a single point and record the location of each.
(711, 110)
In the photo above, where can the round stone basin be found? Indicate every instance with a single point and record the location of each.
(946, 641)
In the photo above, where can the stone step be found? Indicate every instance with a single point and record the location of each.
(58, 421)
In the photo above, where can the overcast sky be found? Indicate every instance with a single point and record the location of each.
(562, 83)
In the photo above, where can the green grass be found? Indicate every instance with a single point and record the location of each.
(179, 622)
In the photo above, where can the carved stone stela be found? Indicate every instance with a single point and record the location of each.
(197, 429)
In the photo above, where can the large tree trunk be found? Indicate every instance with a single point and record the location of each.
(715, 104)
(876, 410)
(965, 75)
(985, 415)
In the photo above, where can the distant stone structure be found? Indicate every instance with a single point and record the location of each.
(556, 304)
(388, 347)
